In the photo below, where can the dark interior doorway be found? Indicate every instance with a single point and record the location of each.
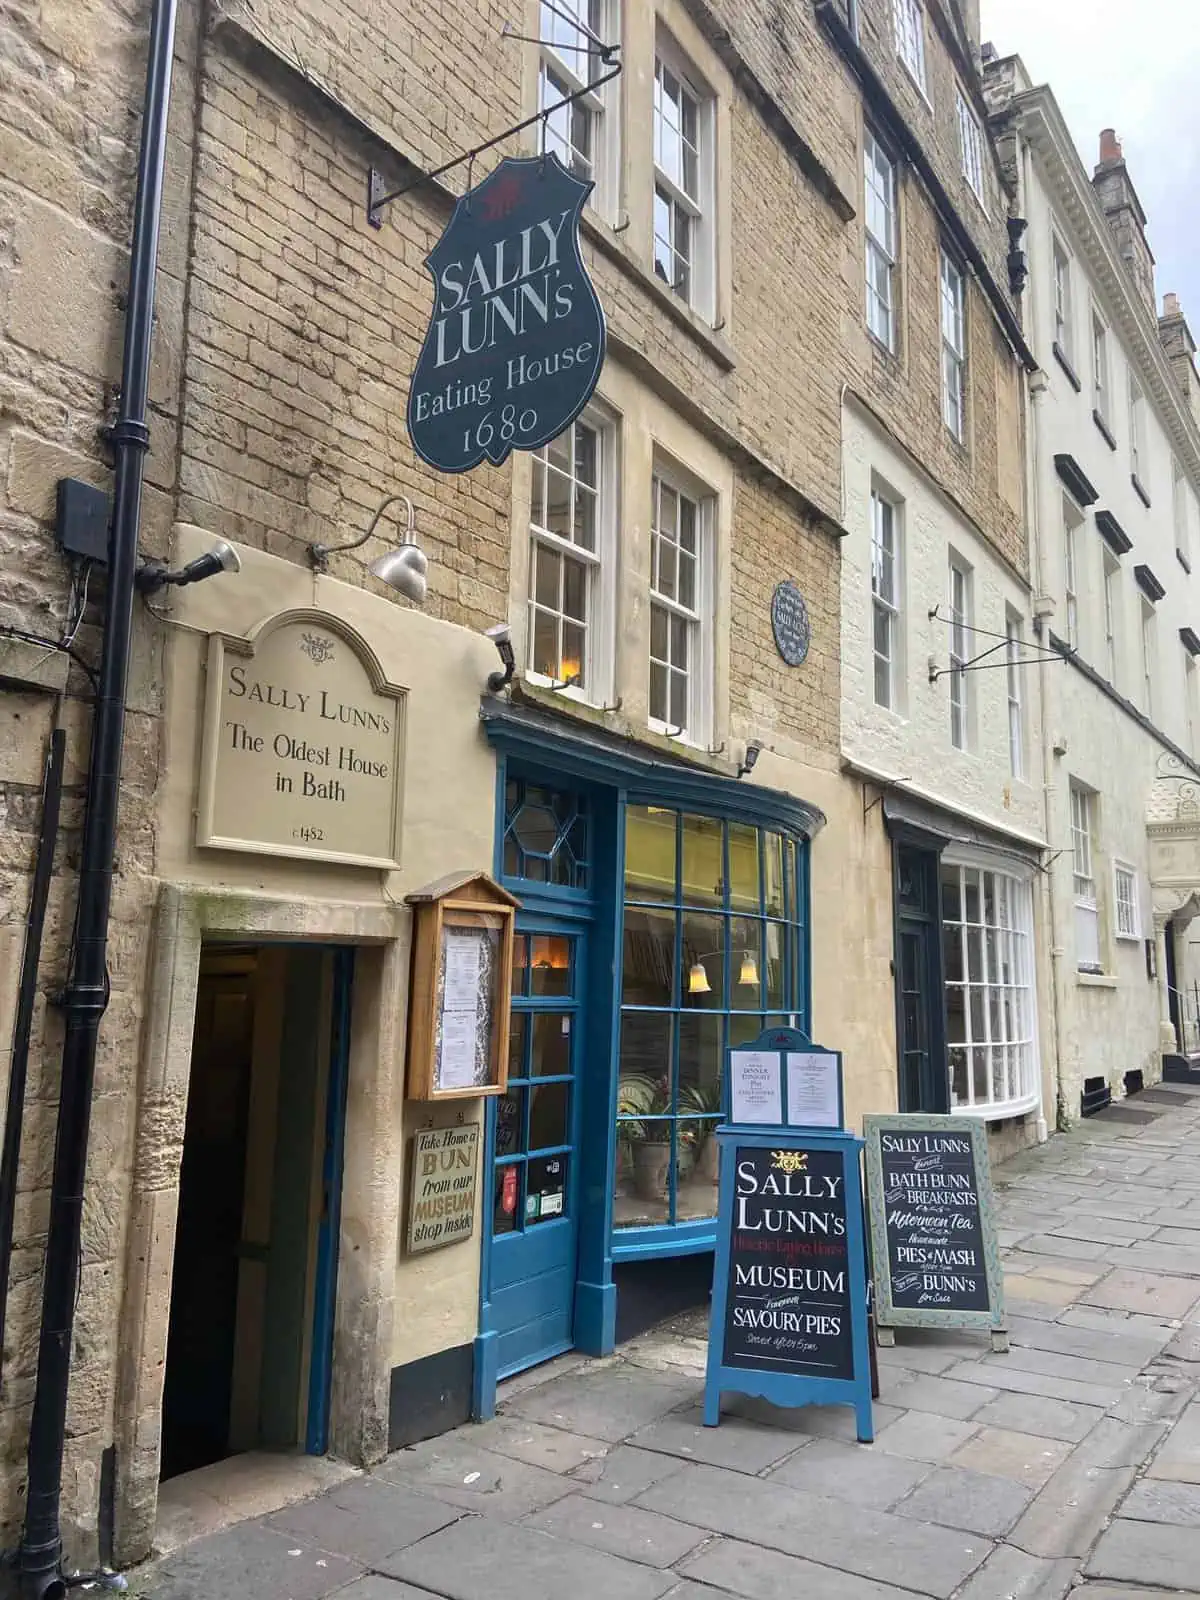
(924, 1083)
(254, 1277)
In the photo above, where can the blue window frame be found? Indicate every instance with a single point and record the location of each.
(545, 835)
(713, 952)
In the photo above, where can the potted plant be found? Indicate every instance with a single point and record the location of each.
(704, 1101)
(640, 1099)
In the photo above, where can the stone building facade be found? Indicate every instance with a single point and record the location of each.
(251, 1147)
(940, 722)
(1115, 518)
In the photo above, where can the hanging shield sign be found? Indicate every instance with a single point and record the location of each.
(516, 341)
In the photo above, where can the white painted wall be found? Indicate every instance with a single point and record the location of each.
(1110, 1025)
(914, 743)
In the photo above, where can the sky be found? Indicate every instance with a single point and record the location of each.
(1136, 71)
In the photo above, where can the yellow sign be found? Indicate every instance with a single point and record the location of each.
(444, 1178)
(303, 745)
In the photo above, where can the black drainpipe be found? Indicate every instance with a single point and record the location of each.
(86, 996)
(35, 922)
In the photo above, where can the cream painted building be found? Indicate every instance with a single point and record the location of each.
(1115, 530)
(306, 753)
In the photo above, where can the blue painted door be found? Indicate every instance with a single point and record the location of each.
(535, 1188)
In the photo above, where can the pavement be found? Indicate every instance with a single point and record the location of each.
(1069, 1464)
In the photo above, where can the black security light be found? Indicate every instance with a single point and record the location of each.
(750, 759)
(501, 636)
(152, 576)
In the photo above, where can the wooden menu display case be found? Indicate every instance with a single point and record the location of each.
(461, 981)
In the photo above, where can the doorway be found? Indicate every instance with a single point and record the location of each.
(924, 1083)
(255, 1262)
(534, 1231)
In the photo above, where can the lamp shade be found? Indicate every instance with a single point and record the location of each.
(698, 979)
(403, 570)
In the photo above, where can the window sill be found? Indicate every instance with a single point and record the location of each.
(1064, 361)
(703, 332)
(1131, 939)
(1141, 493)
(1183, 560)
(1105, 430)
(1002, 1111)
(1095, 980)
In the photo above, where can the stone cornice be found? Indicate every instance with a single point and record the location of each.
(1042, 125)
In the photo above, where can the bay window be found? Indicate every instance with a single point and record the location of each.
(987, 921)
(713, 953)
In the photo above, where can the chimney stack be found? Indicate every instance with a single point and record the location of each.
(1125, 217)
(1179, 348)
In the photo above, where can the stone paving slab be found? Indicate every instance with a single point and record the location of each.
(624, 1473)
(622, 1530)
(456, 1470)
(1023, 1457)
(746, 1569)
(997, 1375)
(738, 1443)
(1123, 1350)
(253, 1559)
(555, 1449)
(1069, 1513)
(376, 1587)
(942, 1396)
(1147, 1553)
(366, 1521)
(1179, 1458)
(858, 1473)
(477, 1559)
(921, 1436)
(873, 1544)
(1010, 1574)
(955, 1497)
(608, 1402)
(1144, 1292)
(1158, 1500)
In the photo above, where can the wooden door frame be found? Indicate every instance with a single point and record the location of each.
(905, 836)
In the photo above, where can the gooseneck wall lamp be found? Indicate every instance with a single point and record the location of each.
(403, 570)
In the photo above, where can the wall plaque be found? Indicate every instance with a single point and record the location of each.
(303, 745)
(445, 1176)
(933, 1236)
(516, 336)
(790, 624)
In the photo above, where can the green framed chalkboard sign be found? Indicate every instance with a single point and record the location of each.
(934, 1252)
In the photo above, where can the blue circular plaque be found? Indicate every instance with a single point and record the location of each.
(790, 624)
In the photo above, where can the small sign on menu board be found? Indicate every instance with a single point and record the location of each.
(781, 1079)
(933, 1238)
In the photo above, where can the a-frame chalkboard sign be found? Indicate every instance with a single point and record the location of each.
(789, 1300)
(934, 1250)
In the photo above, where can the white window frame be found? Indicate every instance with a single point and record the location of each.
(954, 346)
(996, 967)
(694, 206)
(1064, 322)
(1179, 512)
(571, 69)
(908, 17)
(1072, 522)
(1137, 406)
(881, 185)
(1016, 715)
(970, 145)
(886, 607)
(1189, 699)
(960, 641)
(1149, 655)
(696, 619)
(1087, 906)
(1100, 396)
(595, 682)
(1127, 922)
(1112, 617)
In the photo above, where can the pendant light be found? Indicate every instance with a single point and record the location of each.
(748, 977)
(698, 979)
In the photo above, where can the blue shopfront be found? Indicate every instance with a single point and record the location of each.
(664, 915)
